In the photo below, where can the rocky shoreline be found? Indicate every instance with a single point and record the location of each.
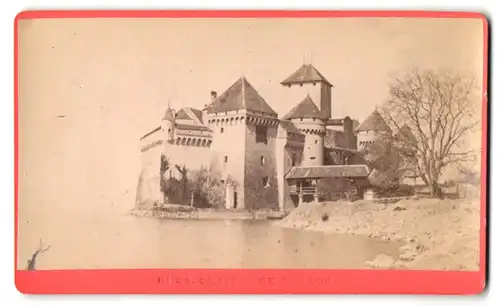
(438, 234)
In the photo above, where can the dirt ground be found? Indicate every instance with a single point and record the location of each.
(438, 234)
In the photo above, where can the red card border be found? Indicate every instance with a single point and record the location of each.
(211, 281)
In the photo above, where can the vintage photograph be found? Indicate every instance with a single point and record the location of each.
(243, 143)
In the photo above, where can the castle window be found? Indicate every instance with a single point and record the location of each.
(261, 134)
(221, 130)
(169, 130)
(294, 158)
(312, 157)
(265, 181)
(225, 159)
(222, 181)
(316, 141)
(262, 160)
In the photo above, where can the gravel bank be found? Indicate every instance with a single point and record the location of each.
(439, 234)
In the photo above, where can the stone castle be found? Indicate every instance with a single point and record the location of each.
(271, 162)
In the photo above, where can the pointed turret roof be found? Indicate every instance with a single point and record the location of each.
(305, 109)
(374, 122)
(307, 73)
(240, 95)
(406, 133)
(169, 114)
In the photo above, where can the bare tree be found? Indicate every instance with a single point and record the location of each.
(438, 108)
(32, 261)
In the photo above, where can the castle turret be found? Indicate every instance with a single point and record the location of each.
(168, 124)
(373, 128)
(307, 117)
(242, 153)
(308, 80)
(406, 136)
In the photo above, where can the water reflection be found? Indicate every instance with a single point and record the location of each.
(125, 242)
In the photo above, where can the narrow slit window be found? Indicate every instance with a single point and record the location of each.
(265, 181)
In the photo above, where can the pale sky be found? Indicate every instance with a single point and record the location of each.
(112, 80)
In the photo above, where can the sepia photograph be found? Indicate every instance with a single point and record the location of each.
(250, 143)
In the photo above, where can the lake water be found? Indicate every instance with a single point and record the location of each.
(119, 241)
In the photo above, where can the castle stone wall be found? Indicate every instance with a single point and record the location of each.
(148, 186)
(227, 154)
(261, 182)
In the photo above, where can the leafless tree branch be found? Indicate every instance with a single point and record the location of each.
(32, 261)
(437, 107)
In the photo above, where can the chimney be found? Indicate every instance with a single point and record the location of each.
(213, 94)
(349, 133)
(204, 114)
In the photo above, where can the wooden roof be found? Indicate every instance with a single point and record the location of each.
(241, 95)
(373, 123)
(405, 134)
(305, 109)
(306, 74)
(353, 171)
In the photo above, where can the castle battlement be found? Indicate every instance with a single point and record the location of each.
(239, 135)
(229, 119)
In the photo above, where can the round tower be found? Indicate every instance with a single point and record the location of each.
(307, 118)
(307, 79)
(168, 124)
(314, 130)
(372, 129)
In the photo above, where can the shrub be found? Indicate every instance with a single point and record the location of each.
(400, 190)
(206, 191)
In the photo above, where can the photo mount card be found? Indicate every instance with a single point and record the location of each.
(251, 152)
